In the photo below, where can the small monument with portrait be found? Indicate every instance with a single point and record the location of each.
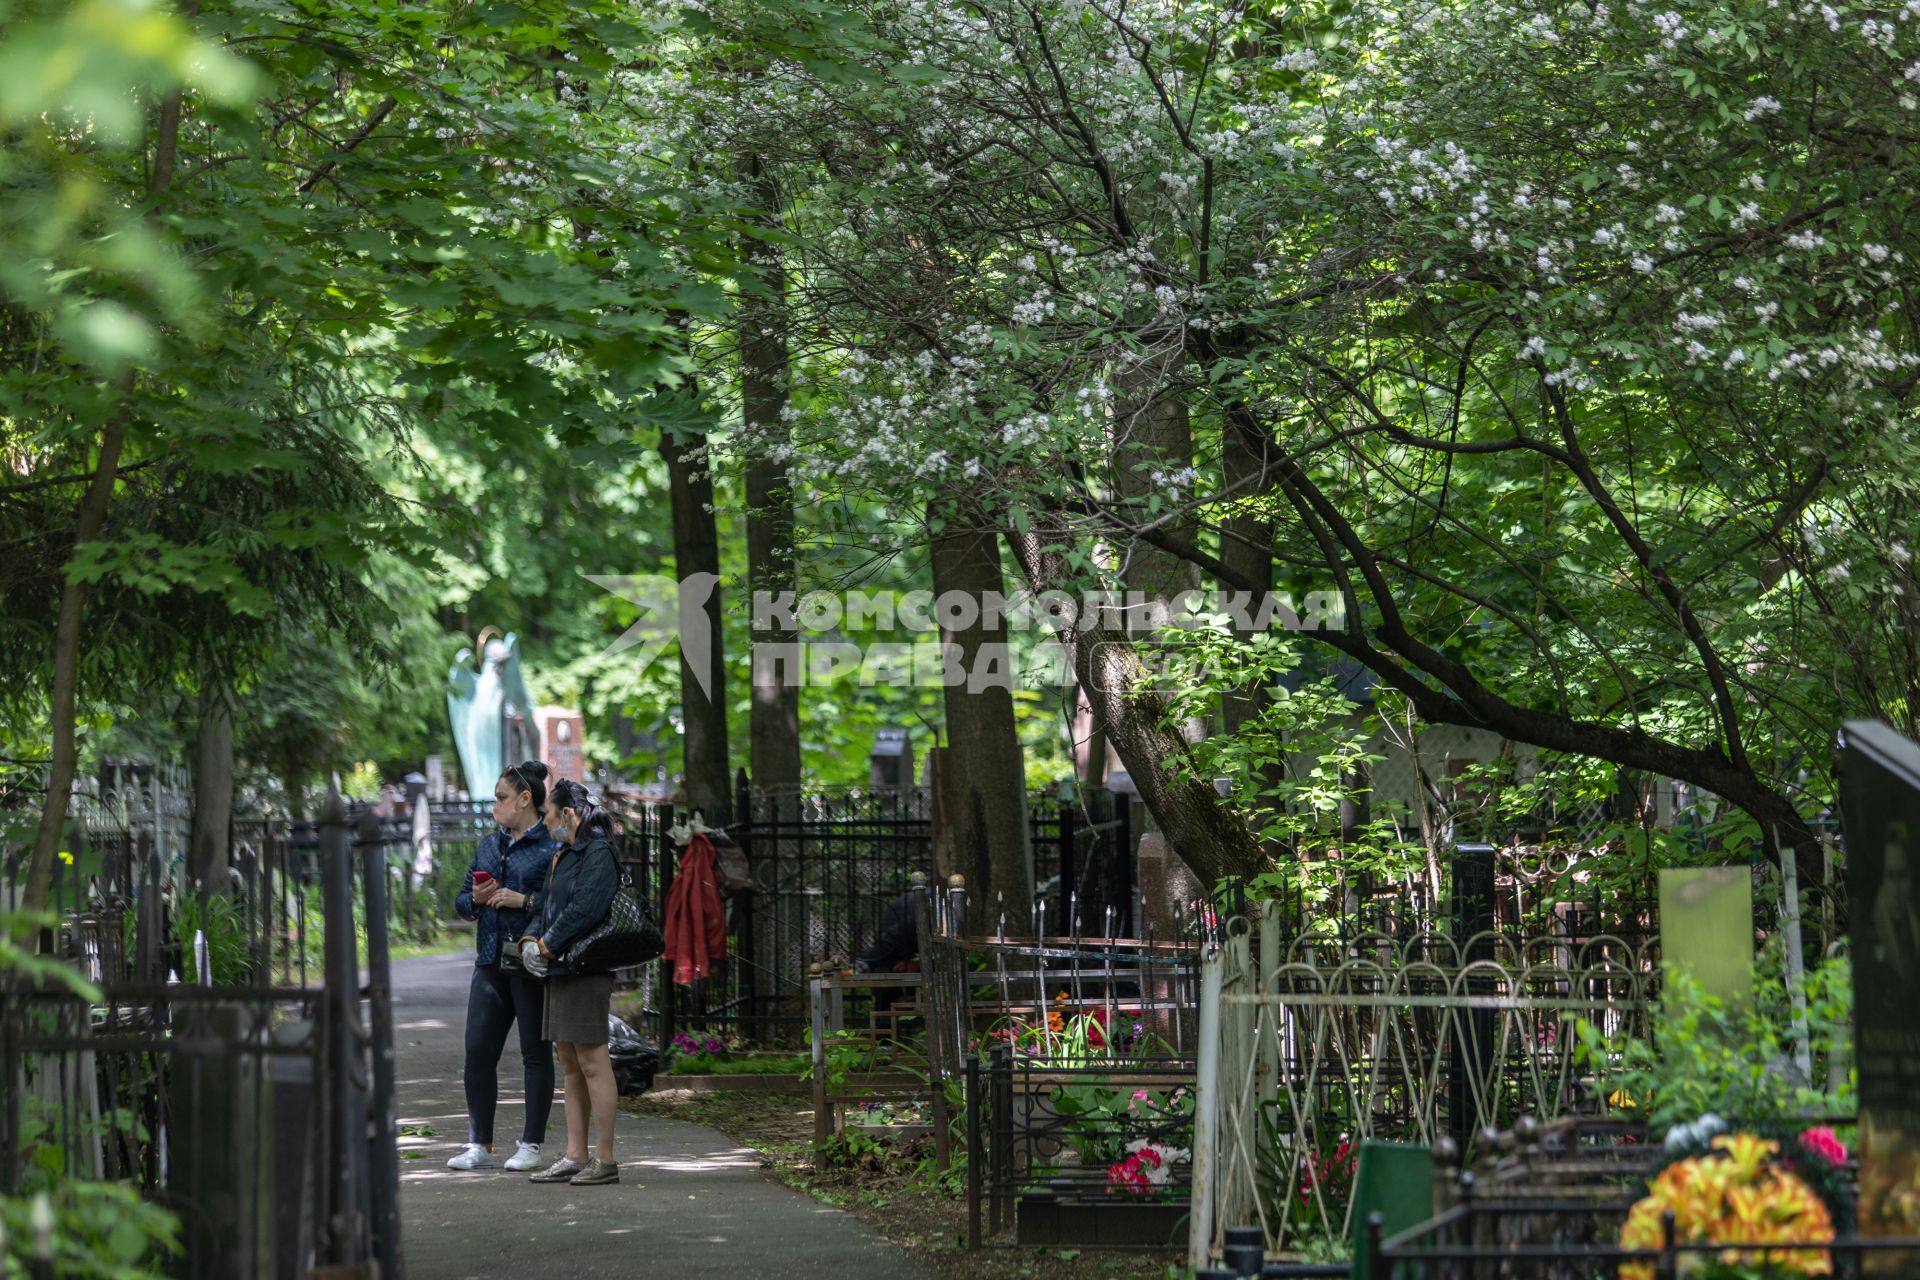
(561, 731)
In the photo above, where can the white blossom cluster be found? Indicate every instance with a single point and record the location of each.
(1628, 226)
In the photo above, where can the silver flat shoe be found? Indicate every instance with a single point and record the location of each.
(561, 1170)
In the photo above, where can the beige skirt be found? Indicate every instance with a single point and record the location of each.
(577, 1008)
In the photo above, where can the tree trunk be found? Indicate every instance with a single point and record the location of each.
(293, 780)
(773, 758)
(64, 757)
(696, 556)
(1212, 840)
(946, 862)
(1154, 434)
(1246, 545)
(1094, 774)
(983, 772)
(64, 754)
(210, 846)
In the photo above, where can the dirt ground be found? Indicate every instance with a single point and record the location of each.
(896, 1195)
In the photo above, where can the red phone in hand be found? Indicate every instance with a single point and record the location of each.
(482, 878)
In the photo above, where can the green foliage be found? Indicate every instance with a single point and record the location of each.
(220, 918)
(1703, 1058)
(853, 1148)
(747, 1064)
(1102, 1119)
(439, 893)
(102, 276)
(98, 1231)
(1321, 1248)
(20, 958)
(368, 252)
(1582, 383)
(1591, 376)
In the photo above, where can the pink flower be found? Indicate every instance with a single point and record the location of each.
(1823, 1143)
(1127, 1173)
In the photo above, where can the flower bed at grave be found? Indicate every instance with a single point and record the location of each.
(1756, 1195)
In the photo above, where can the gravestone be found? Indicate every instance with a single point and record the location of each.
(561, 730)
(890, 765)
(1169, 889)
(1394, 1179)
(1706, 928)
(1471, 1038)
(1880, 816)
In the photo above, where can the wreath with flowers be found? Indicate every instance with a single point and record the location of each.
(1755, 1191)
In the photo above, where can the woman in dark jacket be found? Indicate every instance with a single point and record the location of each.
(501, 894)
(579, 894)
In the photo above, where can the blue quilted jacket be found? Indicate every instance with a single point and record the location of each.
(520, 865)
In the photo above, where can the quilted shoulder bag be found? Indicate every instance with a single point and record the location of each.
(628, 936)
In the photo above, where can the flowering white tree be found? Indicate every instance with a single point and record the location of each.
(1567, 342)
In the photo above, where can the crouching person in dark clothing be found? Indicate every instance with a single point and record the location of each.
(895, 948)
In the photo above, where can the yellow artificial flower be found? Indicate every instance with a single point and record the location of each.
(1733, 1196)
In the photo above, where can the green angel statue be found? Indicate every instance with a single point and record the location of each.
(492, 715)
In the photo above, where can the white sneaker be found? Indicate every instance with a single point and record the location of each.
(474, 1157)
(527, 1157)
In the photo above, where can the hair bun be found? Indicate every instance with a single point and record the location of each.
(570, 793)
(534, 771)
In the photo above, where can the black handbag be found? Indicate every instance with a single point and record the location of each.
(629, 936)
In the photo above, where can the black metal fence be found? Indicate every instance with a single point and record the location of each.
(261, 1112)
(128, 916)
(1076, 1151)
(1083, 864)
(201, 1097)
(1475, 1240)
(1549, 1202)
(825, 867)
(1525, 891)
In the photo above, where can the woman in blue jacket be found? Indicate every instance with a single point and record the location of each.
(578, 895)
(501, 896)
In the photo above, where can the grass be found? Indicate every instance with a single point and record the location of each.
(406, 949)
(777, 1064)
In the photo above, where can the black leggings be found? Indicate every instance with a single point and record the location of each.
(496, 1001)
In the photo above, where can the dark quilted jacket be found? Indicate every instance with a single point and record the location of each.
(520, 865)
(579, 892)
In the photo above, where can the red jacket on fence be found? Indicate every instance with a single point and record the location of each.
(696, 925)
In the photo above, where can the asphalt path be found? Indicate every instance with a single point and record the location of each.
(690, 1203)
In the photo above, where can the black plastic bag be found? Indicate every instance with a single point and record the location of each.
(635, 1059)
